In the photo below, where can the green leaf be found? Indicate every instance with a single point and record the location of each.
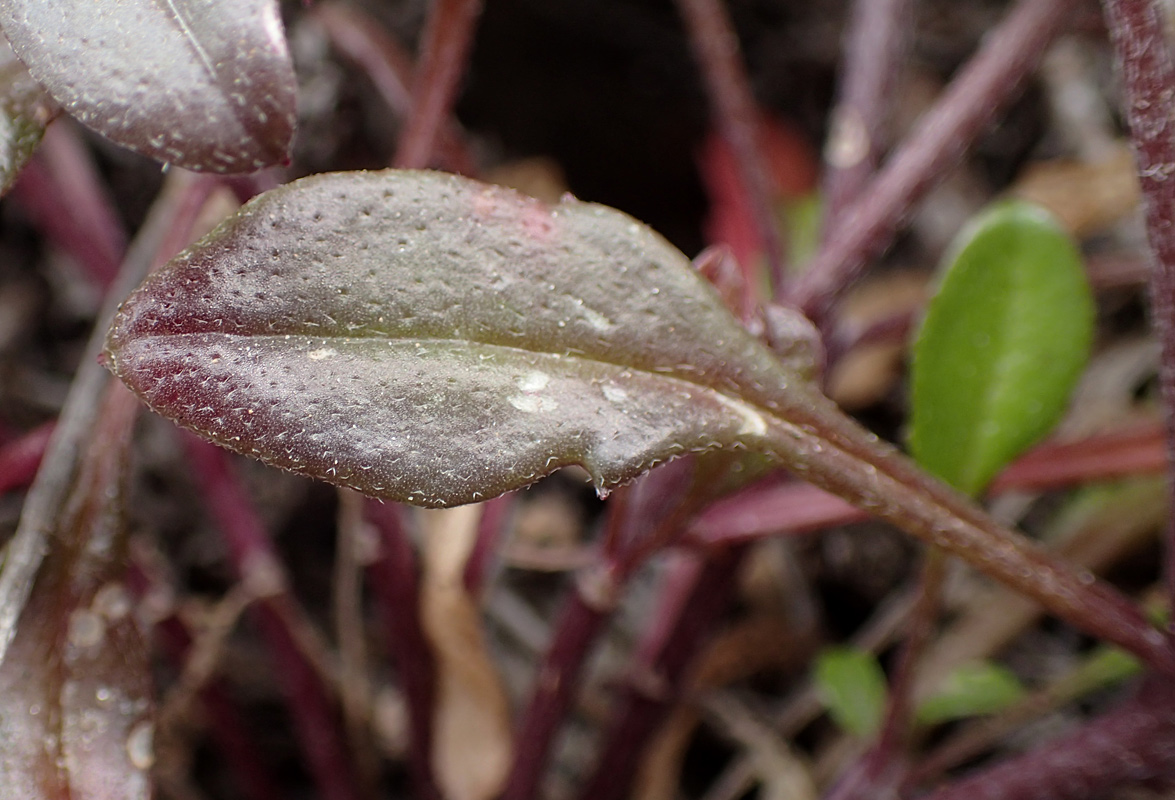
(852, 686)
(25, 110)
(207, 85)
(432, 339)
(971, 690)
(1003, 343)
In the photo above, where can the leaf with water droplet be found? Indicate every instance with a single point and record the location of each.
(75, 689)
(431, 339)
(428, 338)
(1004, 341)
(25, 110)
(205, 85)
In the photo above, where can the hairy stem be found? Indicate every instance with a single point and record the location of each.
(448, 37)
(833, 452)
(973, 99)
(716, 48)
(1144, 58)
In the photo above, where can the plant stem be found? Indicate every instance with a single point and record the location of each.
(20, 458)
(1139, 36)
(672, 644)
(480, 566)
(716, 48)
(361, 39)
(27, 547)
(833, 452)
(395, 583)
(316, 722)
(877, 37)
(1128, 745)
(972, 100)
(448, 36)
(578, 627)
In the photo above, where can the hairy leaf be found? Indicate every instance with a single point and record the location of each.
(25, 110)
(427, 338)
(75, 688)
(203, 84)
(431, 339)
(852, 685)
(1004, 341)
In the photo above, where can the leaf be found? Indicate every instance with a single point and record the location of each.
(970, 690)
(852, 685)
(75, 689)
(202, 84)
(428, 338)
(25, 110)
(1003, 343)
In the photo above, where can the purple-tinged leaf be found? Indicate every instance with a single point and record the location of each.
(25, 110)
(75, 688)
(432, 339)
(202, 84)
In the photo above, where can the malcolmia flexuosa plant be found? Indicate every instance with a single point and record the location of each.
(428, 339)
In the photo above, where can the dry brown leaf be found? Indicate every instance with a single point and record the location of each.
(1086, 197)
(75, 692)
(471, 726)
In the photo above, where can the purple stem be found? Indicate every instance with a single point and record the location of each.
(20, 458)
(1129, 745)
(578, 626)
(732, 102)
(316, 719)
(361, 39)
(972, 100)
(394, 582)
(61, 189)
(480, 565)
(1139, 36)
(673, 642)
(448, 37)
(879, 31)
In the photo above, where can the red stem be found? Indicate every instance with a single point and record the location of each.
(486, 550)
(448, 37)
(877, 37)
(1139, 36)
(316, 720)
(19, 459)
(690, 609)
(1128, 745)
(972, 100)
(732, 102)
(394, 582)
(67, 200)
(578, 626)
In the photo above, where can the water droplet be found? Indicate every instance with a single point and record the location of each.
(140, 745)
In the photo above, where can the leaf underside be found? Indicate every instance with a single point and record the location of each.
(431, 339)
(203, 84)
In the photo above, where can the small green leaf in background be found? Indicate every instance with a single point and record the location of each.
(971, 690)
(852, 686)
(1004, 341)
